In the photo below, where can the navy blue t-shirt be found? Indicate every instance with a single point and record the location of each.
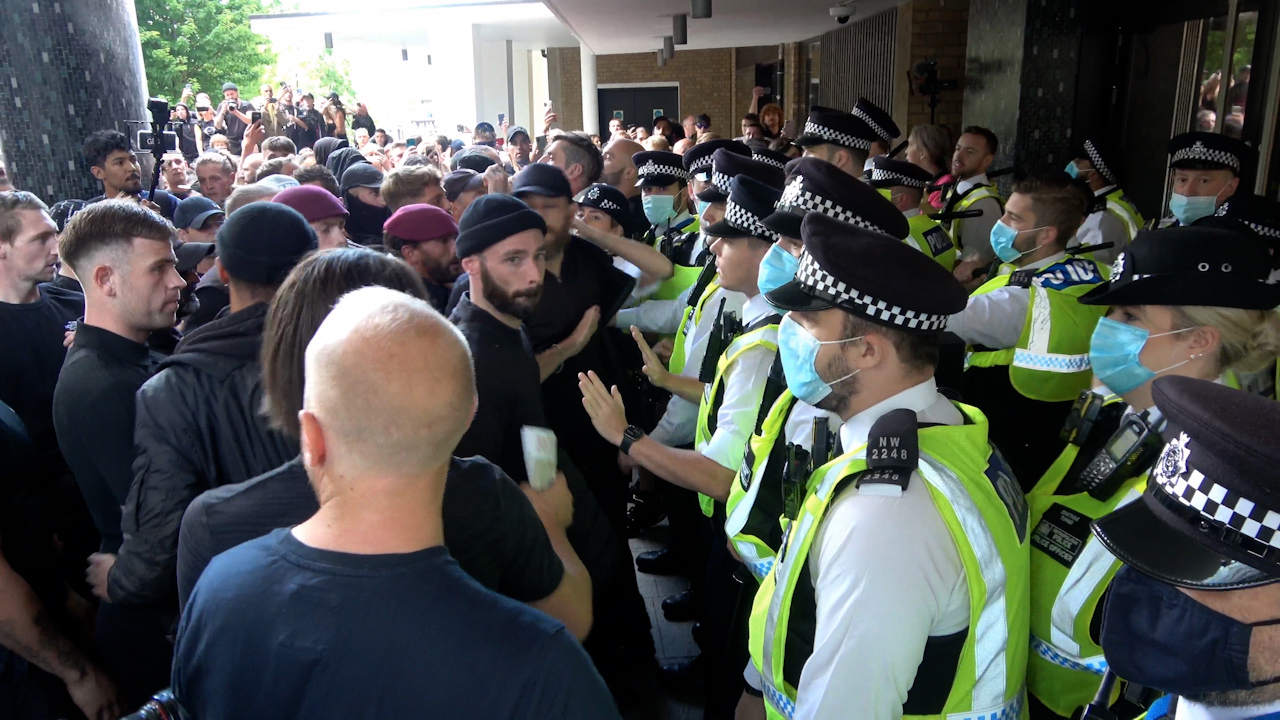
(278, 629)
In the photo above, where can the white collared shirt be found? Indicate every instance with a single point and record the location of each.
(886, 576)
(908, 214)
(973, 235)
(995, 319)
(744, 383)
(1103, 226)
(1187, 710)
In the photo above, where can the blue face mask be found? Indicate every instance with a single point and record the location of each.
(799, 352)
(1072, 170)
(659, 208)
(776, 269)
(702, 207)
(1002, 237)
(1114, 351)
(1190, 209)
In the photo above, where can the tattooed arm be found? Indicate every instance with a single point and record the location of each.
(27, 630)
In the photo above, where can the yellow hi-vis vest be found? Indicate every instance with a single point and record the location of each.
(973, 195)
(1051, 360)
(982, 506)
(698, 299)
(1070, 570)
(929, 237)
(1123, 207)
(713, 395)
(754, 511)
(685, 275)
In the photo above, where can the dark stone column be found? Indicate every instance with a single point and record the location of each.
(67, 68)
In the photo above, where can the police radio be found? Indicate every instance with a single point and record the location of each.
(800, 464)
(1089, 411)
(1128, 453)
(724, 329)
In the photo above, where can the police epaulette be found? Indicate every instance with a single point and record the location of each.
(1022, 278)
(893, 450)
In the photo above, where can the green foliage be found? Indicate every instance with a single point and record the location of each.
(1246, 33)
(319, 75)
(203, 42)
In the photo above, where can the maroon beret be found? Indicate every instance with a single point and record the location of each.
(418, 223)
(312, 201)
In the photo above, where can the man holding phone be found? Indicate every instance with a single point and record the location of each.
(233, 116)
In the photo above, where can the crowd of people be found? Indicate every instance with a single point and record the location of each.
(332, 424)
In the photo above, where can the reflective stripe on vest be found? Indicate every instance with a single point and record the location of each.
(976, 193)
(1050, 363)
(692, 316)
(713, 394)
(741, 517)
(990, 534)
(685, 275)
(931, 238)
(1123, 207)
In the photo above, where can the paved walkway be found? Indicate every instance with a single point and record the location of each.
(673, 641)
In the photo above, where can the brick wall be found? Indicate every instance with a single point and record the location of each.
(564, 86)
(796, 88)
(939, 28)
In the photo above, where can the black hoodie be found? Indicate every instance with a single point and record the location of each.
(199, 425)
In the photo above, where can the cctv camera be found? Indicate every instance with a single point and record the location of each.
(843, 12)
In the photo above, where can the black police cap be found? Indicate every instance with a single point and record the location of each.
(1209, 151)
(607, 199)
(727, 165)
(817, 186)
(697, 159)
(1092, 150)
(1260, 215)
(880, 122)
(658, 168)
(771, 157)
(887, 172)
(749, 202)
(1190, 266)
(872, 275)
(827, 126)
(1209, 518)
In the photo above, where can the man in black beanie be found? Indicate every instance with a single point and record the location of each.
(199, 422)
(502, 245)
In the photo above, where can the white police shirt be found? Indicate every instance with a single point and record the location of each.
(995, 319)
(744, 383)
(974, 234)
(886, 576)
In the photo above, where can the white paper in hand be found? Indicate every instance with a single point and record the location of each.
(539, 446)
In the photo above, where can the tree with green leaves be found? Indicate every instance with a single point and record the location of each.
(321, 74)
(202, 42)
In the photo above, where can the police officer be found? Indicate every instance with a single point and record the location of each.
(972, 191)
(905, 183)
(1113, 218)
(1193, 612)
(900, 588)
(770, 157)
(1206, 169)
(673, 226)
(1029, 338)
(792, 428)
(734, 381)
(1254, 214)
(842, 139)
(1169, 317)
(885, 129)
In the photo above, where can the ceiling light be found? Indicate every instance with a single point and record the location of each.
(680, 28)
(701, 9)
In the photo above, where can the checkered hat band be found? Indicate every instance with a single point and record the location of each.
(700, 164)
(1096, 158)
(1262, 230)
(744, 220)
(875, 126)
(813, 278)
(606, 204)
(835, 136)
(720, 181)
(1200, 152)
(798, 201)
(878, 175)
(1222, 505)
(769, 161)
(653, 168)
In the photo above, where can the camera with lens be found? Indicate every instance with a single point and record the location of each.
(927, 72)
(162, 706)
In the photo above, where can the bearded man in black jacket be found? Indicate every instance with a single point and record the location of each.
(199, 422)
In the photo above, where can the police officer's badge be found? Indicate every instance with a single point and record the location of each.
(1173, 461)
(593, 193)
(744, 473)
(1117, 267)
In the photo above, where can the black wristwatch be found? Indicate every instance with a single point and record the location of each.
(630, 435)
